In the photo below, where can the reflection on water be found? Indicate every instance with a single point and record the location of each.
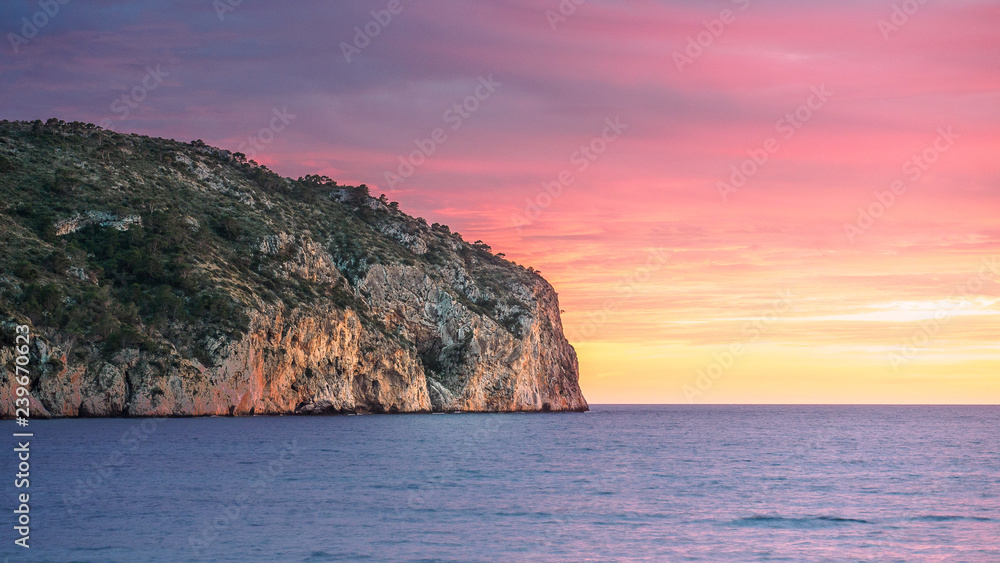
(673, 482)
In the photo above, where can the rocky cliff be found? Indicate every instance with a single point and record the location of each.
(161, 278)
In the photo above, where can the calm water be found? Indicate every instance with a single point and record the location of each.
(619, 483)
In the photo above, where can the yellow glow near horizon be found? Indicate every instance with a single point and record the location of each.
(769, 374)
(700, 339)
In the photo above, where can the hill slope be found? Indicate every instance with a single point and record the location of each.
(166, 278)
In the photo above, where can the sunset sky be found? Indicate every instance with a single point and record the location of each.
(738, 202)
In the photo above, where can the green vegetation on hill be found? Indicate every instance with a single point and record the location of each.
(127, 241)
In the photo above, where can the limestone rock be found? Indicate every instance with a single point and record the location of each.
(175, 279)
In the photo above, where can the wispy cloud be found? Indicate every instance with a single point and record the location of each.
(656, 187)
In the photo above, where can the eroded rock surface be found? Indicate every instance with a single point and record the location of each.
(169, 279)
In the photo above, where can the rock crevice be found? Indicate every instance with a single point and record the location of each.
(149, 295)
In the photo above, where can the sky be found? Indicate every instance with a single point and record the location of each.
(748, 201)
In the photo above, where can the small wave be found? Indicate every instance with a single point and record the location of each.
(317, 556)
(838, 519)
(951, 518)
(520, 513)
(765, 521)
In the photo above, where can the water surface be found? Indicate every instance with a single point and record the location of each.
(686, 483)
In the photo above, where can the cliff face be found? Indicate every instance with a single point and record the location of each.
(162, 278)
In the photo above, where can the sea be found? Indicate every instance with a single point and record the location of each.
(619, 483)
